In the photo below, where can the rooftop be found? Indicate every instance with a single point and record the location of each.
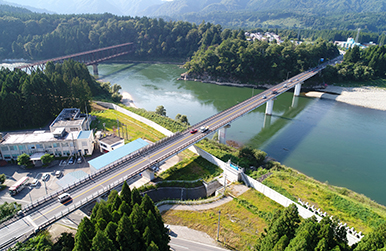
(36, 137)
(84, 135)
(110, 157)
(110, 139)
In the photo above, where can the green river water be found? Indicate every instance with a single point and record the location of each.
(327, 140)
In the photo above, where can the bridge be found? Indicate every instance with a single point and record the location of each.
(93, 57)
(47, 210)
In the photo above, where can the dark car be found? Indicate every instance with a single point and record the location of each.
(274, 91)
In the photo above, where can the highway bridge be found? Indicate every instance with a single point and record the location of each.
(47, 210)
(93, 57)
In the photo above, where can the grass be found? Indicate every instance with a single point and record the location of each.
(133, 129)
(354, 209)
(240, 226)
(192, 168)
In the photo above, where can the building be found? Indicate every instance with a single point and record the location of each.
(68, 135)
(59, 143)
(110, 157)
(70, 119)
(110, 142)
(350, 43)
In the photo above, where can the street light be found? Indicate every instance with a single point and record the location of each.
(30, 188)
(45, 186)
(288, 72)
(218, 225)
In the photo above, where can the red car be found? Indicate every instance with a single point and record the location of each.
(274, 91)
(193, 131)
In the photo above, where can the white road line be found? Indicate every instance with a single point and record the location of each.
(29, 219)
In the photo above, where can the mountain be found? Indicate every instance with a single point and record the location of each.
(10, 7)
(116, 7)
(321, 7)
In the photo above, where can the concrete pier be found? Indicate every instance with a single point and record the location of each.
(267, 121)
(297, 89)
(269, 107)
(222, 134)
(95, 69)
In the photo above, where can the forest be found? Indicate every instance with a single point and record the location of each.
(236, 59)
(126, 221)
(32, 100)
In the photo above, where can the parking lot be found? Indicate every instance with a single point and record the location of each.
(33, 192)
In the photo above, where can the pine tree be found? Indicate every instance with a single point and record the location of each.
(128, 238)
(136, 197)
(124, 209)
(111, 232)
(126, 193)
(101, 242)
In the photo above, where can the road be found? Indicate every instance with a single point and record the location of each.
(52, 209)
(179, 244)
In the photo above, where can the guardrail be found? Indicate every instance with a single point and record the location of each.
(190, 202)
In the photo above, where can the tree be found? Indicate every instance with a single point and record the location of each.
(127, 237)
(47, 158)
(126, 193)
(136, 197)
(160, 110)
(24, 160)
(2, 178)
(101, 242)
(64, 243)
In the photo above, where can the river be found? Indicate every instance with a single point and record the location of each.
(327, 140)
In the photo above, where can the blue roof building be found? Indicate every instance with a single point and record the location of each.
(108, 158)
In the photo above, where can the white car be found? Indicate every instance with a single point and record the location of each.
(45, 177)
(34, 182)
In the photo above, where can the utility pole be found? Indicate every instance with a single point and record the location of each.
(218, 225)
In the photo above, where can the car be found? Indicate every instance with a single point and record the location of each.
(264, 97)
(193, 131)
(71, 161)
(64, 162)
(34, 182)
(45, 177)
(204, 128)
(58, 174)
(297, 79)
(79, 160)
(285, 85)
(64, 197)
(274, 91)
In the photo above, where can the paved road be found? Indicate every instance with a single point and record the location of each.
(52, 209)
(179, 244)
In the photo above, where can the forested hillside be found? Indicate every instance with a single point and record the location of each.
(30, 100)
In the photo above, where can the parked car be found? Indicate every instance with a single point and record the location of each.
(79, 160)
(58, 174)
(34, 182)
(45, 177)
(71, 161)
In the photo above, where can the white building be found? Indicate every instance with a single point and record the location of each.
(71, 120)
(59, 144)
(109, 143)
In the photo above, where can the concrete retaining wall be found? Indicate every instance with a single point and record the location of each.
(177, 193)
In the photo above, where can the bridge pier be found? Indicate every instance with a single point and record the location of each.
(267, 121)
(295, 100)
(95, 69)
(269, 107)
(222, 134)
(297, 89)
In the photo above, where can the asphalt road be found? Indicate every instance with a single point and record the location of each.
(179, 244)
(53, 209)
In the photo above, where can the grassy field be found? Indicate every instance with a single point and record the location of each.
(242, 220)
(354, 209)
(192, 168)
(131, 129)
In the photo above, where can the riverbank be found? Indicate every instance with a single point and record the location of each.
(127, 99)
(368, 96)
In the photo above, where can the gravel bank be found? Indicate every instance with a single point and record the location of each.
(369, 97)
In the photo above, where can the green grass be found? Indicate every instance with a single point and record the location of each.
(354, 209)
(240, 225)
(192, 169)
(134, 128)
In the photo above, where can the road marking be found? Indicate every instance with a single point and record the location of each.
(29, 219)
(172, 244)
(164, 149)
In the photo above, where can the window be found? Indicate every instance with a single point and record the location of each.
(56, 145)
(12, 148)
(64, 144)
(21, 147)
(39, 146)
(47, 146)
(4, 148)
(31, 147)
